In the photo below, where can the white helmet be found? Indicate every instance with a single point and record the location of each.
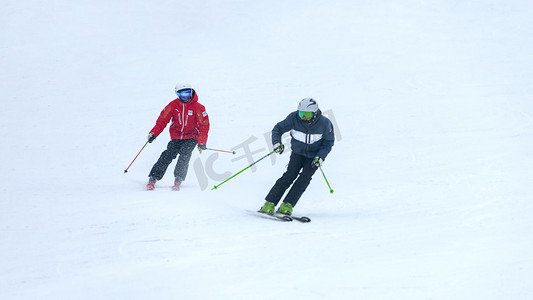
(307, 109)
(182, 86)
(184, 91)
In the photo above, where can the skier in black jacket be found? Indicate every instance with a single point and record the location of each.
(311, 140)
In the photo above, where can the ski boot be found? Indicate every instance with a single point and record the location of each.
(176, 186)
(285, 209)
(268, 208)
(151, 184)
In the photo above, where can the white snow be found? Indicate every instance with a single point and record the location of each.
(432, 168)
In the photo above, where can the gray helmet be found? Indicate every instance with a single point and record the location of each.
(308, 104)
(307, 109)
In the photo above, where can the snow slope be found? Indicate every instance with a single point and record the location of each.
(432, 167)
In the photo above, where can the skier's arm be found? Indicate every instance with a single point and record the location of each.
(162, 120)
(328, 139)
(280, 128)
(203, 125)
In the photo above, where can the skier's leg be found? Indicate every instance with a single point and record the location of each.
(185, 151)
(283, 183)
(301, 183)
(160, 167)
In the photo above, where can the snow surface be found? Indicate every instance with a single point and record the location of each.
(432, 167)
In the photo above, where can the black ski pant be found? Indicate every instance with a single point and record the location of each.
(297, 163)
(182, 147)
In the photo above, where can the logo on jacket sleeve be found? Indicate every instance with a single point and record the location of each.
(204, 114)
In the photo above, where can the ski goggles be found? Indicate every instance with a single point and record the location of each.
(186, 93)
(306, 115)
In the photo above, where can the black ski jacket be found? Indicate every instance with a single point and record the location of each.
(308, 138)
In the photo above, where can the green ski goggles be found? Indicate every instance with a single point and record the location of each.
(306, 115)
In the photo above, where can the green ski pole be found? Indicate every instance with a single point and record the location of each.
(330, 189)
(216, 186)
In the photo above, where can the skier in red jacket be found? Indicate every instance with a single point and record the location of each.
(189, 127)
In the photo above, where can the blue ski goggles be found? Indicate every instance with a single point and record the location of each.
(186, 93)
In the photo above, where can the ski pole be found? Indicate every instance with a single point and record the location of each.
(225, 151)
(216, 186)
(330, 189)
(126, 171)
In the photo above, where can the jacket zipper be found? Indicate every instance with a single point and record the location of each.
(183, 114)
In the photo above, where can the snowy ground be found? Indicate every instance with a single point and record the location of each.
(432, 167)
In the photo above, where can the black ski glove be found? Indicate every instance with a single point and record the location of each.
(151, 137)
(317, 162)
(278, 148)
(201, 148)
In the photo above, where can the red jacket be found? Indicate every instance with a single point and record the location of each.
(189, 120)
